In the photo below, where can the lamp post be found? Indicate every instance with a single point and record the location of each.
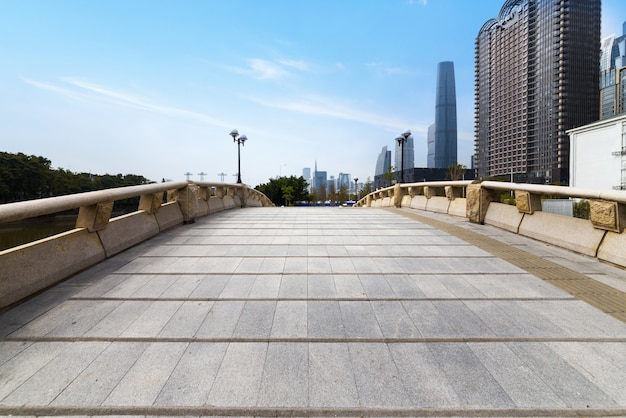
(239, 139)
(356, 189)
(401, 140)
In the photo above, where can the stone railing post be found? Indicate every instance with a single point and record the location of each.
(243, 195)
(477, 203)
(397, 195)
(187, 198)
(527, 202)
(94, 217)
(452, 192)
(607, 215)
(150, 203)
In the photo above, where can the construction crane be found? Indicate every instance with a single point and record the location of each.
(222, 175)
(202, 174)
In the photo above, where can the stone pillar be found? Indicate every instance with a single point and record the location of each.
(527, 202)
(397, 195)
(607, 215)
(477, 203)
(150, 203)
(188, 200)
(243, 195)
(94, 217)
(452, 192)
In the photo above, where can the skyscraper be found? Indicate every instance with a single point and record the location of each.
(536, 76)
(383, 165)
(409, 154)
(613, 76)
(445, 117)
(430, 140)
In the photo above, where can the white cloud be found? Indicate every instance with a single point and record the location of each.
(383, 69)
(89, 92)
(330, 107)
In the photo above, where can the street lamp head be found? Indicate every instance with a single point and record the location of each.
(234, 134)
(243, 138)
(406, 134)
(356, 179)
(400, 139)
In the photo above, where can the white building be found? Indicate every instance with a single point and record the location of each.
(598, 155)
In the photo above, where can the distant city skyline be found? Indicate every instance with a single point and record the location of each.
(155, 88)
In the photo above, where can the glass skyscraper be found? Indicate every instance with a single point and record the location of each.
(613, 76)
(536, 76)
(445, 117)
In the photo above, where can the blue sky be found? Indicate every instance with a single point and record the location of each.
(154, 87)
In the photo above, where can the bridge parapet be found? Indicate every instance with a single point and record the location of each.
(599, 236)
(32, 267)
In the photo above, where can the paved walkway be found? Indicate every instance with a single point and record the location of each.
(317, 311)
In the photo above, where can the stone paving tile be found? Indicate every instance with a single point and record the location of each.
(293, 286)
(348, 286)
(516, 378)
(239, 377)
(238, 286)
(144, 381)
(285, 376)
(393, 320)
(96, 382)
(428, 320)
(404, 286)
(221, 320)
(152, 320)
(375, 286)
(193, 377)
(321, 286)
(324, 320)
(424, 381)
(290, 320)
(265, 286)
(567, 382)
(119, 319)
(377, 377)
(181, 286)
(472, 382)
(211, 286)
(331, 376)
(187, 320)
(359, 320)
(45, 384)
(585, 359)
(255, 320)
(21, 367)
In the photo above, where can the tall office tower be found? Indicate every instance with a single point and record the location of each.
(430, 140)
(445, 116)
(409, 155)
(536, 76)
(613, 75)
(383, 165)
(343, 180)
(306, 173)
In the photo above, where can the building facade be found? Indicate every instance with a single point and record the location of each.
(445, 117)
(536, 76)
(383, 165)
(613, 76)
(598, 155)
(430, 140)
(409, 155)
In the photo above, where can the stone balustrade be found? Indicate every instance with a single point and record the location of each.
(600, 236)
(30, 268)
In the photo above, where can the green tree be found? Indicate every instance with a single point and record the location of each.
(456, 171)
(285, 190)
(388, 175)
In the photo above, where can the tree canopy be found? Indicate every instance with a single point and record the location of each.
(285, 190)
(25, 177)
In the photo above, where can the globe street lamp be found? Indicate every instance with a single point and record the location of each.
(401, 140)
(356, 191)
(239, 139)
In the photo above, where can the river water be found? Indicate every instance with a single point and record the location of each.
(17, 233)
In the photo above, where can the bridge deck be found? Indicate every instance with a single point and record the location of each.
(321, 311)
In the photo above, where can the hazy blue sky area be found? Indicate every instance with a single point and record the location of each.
(154, 87)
